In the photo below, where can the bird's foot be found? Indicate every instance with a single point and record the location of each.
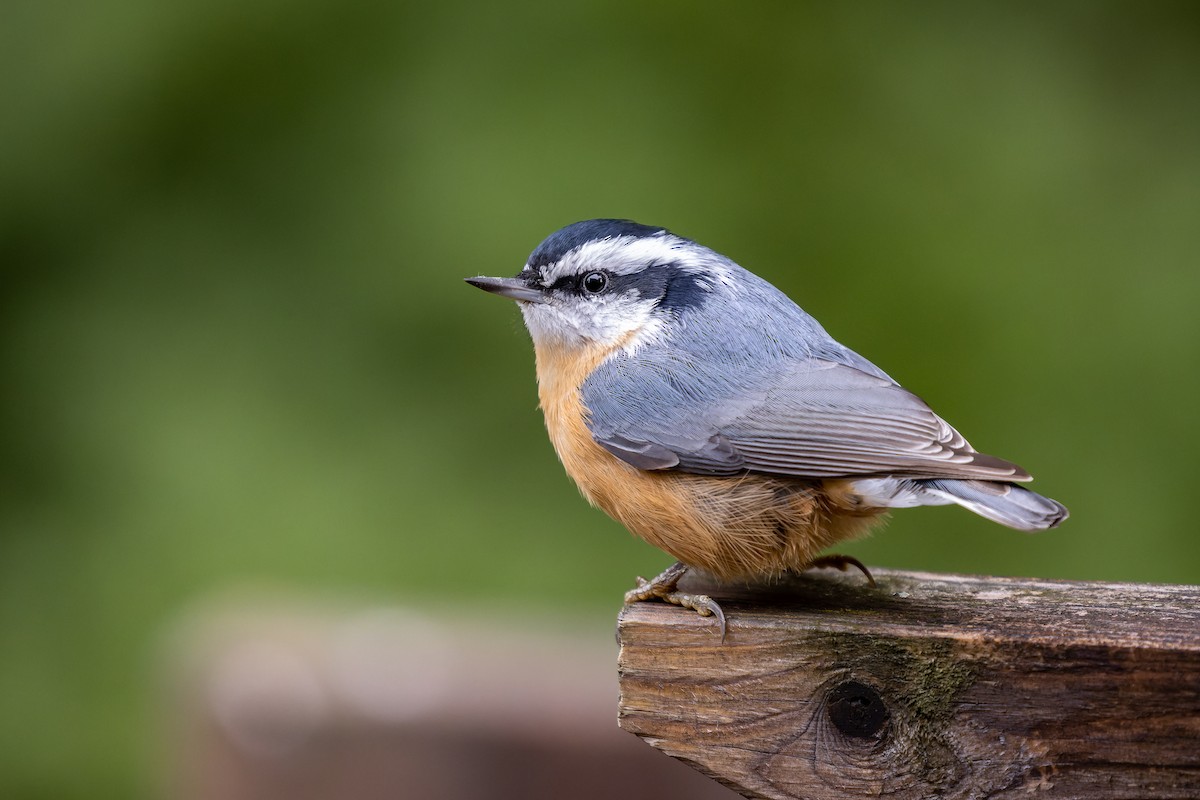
(663, 587)
(841, 563)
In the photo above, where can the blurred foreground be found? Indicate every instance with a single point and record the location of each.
(273, 701)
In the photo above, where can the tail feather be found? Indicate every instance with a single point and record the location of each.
(1005, 503)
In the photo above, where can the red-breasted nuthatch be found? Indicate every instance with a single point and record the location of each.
(709, 414)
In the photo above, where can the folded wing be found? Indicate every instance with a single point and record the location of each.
(810, 418)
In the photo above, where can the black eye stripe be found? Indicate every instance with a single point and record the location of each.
(579, 283)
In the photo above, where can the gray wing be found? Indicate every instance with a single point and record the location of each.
(810, 417)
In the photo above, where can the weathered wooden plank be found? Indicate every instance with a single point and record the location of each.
(929, 686)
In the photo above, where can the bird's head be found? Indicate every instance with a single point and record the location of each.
(607, 283)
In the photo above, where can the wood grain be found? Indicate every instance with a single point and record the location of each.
(929, 686)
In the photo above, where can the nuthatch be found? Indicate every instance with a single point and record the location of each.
(709, 414)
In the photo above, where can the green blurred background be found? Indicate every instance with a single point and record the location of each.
(236, 347)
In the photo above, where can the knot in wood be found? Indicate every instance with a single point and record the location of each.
(857, 710)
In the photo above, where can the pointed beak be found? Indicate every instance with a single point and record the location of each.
(512, 288)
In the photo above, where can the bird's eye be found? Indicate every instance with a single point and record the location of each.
(595, 282)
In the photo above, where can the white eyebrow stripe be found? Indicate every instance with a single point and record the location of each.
(624, 255)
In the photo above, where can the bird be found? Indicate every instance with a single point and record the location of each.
(699, 406)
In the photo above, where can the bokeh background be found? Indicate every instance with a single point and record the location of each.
(235, 347)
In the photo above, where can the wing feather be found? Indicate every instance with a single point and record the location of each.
(807, 418)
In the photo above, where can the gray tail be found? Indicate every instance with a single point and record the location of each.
(1006, 503)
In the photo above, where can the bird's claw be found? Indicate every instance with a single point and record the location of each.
(663, 584)
(663, 588)
(842, 563)
(702, 604)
